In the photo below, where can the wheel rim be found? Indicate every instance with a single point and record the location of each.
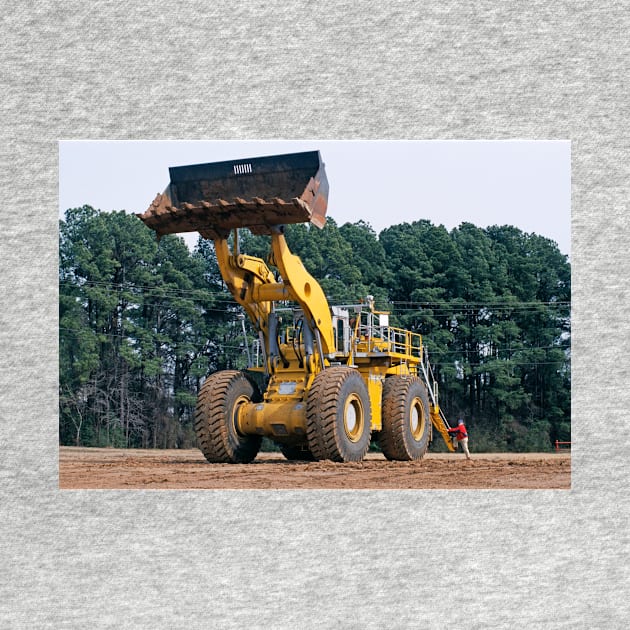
(416, 419)
(241, 400)
(353, 418)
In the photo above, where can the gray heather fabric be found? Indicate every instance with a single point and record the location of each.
(353, 559)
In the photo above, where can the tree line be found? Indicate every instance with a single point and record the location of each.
(141, 324)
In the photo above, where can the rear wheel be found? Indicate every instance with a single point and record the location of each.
(406, 421)
(215, 419)
(338, 416)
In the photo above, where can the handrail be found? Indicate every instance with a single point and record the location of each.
(398, 340)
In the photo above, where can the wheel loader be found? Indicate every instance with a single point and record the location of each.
(331, 379)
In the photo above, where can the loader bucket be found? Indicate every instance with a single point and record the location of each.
(256, 193)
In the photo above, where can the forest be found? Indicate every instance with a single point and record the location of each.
(142, 323)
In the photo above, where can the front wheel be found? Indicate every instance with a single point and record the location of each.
(406, 422)
(215, 419)
(338, 416)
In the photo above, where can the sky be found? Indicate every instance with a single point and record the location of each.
(511, 182)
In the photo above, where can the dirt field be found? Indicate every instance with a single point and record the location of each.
(175, 469)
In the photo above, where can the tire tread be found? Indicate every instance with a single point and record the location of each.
(211, 423)
(326, 438)
(393, 436)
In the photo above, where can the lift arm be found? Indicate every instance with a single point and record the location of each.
(254, 287)
(305, 290)
(245, 276)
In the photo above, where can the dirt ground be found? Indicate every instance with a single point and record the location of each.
(179, 469)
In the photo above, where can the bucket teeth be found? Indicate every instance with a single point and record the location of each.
(214, 220)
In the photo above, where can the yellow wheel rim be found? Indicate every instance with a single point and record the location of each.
(353, 418)
(241, 400)
(416, 419)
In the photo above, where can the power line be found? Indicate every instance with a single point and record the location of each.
(397, 306)
(491, 356)
(440, 353)
(168, 290)
(119, 336)
(479, 304)
(512, 363)
(395, 303)
(223, 347)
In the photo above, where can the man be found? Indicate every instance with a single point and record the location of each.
(461, 435)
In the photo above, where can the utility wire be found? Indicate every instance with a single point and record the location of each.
(118, 336)
(458, 353)
(398, 307)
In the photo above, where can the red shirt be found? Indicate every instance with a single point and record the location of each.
(459, 431)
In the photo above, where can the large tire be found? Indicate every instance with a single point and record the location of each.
(406, 419)
(215, 419)
(295, 452)
(338, 416)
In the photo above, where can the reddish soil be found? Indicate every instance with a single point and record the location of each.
(175, 469)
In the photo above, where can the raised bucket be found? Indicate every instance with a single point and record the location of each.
(256, 193)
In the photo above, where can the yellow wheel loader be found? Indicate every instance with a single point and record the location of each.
(331, 379)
